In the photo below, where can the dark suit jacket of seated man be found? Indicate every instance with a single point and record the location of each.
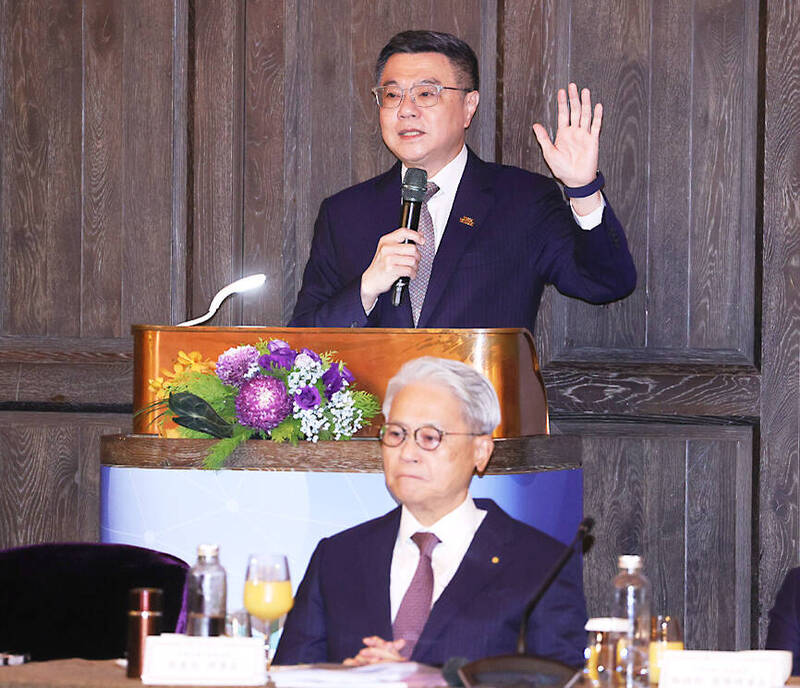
(783, 632)
(345, 595)
(508, 231)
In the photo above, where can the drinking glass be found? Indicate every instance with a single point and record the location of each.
(268, 592)
(665, 635)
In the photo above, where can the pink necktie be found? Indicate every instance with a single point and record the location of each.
(419, 285)
(416, 605)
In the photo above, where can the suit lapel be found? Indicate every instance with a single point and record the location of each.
(375, 567)
(473, 200)
(482, 565)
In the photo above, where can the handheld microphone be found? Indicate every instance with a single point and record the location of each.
(415, 184)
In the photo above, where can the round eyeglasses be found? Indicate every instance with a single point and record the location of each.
(427, 437)
(422, 95)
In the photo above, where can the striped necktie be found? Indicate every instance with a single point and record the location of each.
(419, 285)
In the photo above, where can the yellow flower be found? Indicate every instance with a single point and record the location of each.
(192, 362)
(159, 387)
(188, 363)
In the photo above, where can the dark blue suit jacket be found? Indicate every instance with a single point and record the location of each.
(344, 596)
(509, 233)
(784, 619)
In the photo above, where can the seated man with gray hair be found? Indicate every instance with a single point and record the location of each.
(442, 575)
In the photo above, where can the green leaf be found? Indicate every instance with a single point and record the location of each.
(367, 403)
(196, 414)
(221, 397)
(287, 431)
(221, 450)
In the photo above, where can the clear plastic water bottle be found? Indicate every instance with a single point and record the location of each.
(206, 592)
(632, 602)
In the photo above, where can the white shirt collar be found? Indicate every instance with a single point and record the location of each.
(463, 519)
(449, 177)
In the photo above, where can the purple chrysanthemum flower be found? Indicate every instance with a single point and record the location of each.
(274, 344)
(308, 397)
(237, 365)
(313, 355)
(262, 403)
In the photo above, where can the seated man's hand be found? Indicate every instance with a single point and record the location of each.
(377, 650)
(392, 259)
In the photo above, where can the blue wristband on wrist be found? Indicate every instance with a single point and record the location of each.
(587, 189)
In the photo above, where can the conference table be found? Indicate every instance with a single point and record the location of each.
(84, 673)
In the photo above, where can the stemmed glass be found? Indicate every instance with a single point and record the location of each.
(268, 592)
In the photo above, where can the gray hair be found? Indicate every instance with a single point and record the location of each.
(479, 402)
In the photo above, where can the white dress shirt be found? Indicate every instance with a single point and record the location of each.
(455, 530)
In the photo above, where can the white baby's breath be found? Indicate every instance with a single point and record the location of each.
(306, 374)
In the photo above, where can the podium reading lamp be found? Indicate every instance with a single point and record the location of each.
(237, 287)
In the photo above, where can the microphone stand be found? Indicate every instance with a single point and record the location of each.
(521, 669)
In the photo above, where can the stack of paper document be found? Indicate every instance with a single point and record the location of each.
(385, 675)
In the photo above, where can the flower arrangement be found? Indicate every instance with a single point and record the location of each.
(264, 391)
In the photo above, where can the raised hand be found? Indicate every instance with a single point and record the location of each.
(572, 157)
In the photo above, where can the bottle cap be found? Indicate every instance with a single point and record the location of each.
(207, 550)
(608, 624)
(630, 561)
(146, 599)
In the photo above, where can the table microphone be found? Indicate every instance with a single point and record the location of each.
(415, 183)
(521, 668)
(584, 528)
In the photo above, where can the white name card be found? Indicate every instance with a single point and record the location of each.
(747, 669)
(182, 660)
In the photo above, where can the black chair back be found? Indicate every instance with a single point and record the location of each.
(71, 599)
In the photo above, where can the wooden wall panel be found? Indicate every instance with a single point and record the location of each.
(216, 242)
(678, 137)
(667, 220)
(779, 493)
(264, 140)
(718, 532)
(50, 476)
(619, 79)
(62, 266)
(103, 217)
(681, 497)
(41, 170)
(721, 143)
(147, 140)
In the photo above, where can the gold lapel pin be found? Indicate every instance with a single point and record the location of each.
(495, 560)
(467, 221)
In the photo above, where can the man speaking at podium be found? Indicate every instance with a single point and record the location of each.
(490, 236)
(443, 576)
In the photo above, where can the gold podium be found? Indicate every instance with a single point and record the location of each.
(506, 356)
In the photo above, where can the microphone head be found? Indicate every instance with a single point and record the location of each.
(415, 183)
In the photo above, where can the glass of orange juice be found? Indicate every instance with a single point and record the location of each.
(268, 592)
(665, 635)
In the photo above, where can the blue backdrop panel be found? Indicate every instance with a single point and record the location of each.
(260, 511)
